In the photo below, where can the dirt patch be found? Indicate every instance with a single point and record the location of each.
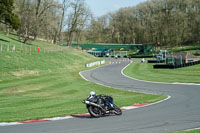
(25, 73)
(22, 89)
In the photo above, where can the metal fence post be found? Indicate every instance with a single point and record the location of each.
(13, 49)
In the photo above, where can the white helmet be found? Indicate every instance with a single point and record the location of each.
(92, 93)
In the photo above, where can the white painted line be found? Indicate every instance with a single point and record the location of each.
(83, 76)
(129, 107)
(58, 118)
(9, 123)
(169, 97)
(193, 129)
(185, 83)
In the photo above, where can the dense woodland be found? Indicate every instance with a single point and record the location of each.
(170, 22)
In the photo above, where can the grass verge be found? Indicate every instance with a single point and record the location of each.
(192, 131)
(145, 71)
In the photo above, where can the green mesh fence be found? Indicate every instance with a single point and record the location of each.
(143, 49)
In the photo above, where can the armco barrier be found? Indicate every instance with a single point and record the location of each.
(166, 66)
(95, 63)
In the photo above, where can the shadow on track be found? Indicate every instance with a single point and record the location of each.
(87, 116)
(82, 116)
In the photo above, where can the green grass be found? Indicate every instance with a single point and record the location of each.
(187, 48)
(194, 49)
(145, 71)
(13, 40)
(192, 131)
(41, 85)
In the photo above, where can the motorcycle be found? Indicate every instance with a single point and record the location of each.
(101, 105)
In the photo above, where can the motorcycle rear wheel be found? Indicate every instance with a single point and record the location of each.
(95, 111)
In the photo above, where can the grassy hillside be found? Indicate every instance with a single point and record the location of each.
(18, 65)
(47, 84)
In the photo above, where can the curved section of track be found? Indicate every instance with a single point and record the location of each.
(180, 112)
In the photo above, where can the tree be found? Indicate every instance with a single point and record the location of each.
(41, 7)
(33, 15)
(7, 16)
(76, 20)
(64, 6)
(170, 22)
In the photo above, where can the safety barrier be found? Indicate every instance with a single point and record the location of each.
(95, 63)
(168, 66)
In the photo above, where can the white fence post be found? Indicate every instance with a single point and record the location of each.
(13, 49)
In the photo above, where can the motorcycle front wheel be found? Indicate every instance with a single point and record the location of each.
(95, 111)
(117, 110)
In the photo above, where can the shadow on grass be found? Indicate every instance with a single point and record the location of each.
(19, 41)
(4, 40)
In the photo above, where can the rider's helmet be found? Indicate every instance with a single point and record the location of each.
(92, 93)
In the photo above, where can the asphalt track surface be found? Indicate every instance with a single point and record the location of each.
(180, 112)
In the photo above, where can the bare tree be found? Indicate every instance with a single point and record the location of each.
(169, 22)
(64, 6)
(76, 19)
(41, 7)
(33, 15)
(24, 10)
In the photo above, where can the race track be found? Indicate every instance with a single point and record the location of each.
(181, 111)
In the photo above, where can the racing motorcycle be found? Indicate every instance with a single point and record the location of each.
(100, 105)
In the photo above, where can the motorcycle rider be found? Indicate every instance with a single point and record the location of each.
(92, 94)
(108, 102)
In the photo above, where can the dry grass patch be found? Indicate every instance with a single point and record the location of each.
(22, 89)
(22, 73)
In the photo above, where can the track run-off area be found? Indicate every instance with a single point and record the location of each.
(181, 111)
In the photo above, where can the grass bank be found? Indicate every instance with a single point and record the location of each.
(192, 131)
(194, 49)
(145, 71)
(47, 84)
